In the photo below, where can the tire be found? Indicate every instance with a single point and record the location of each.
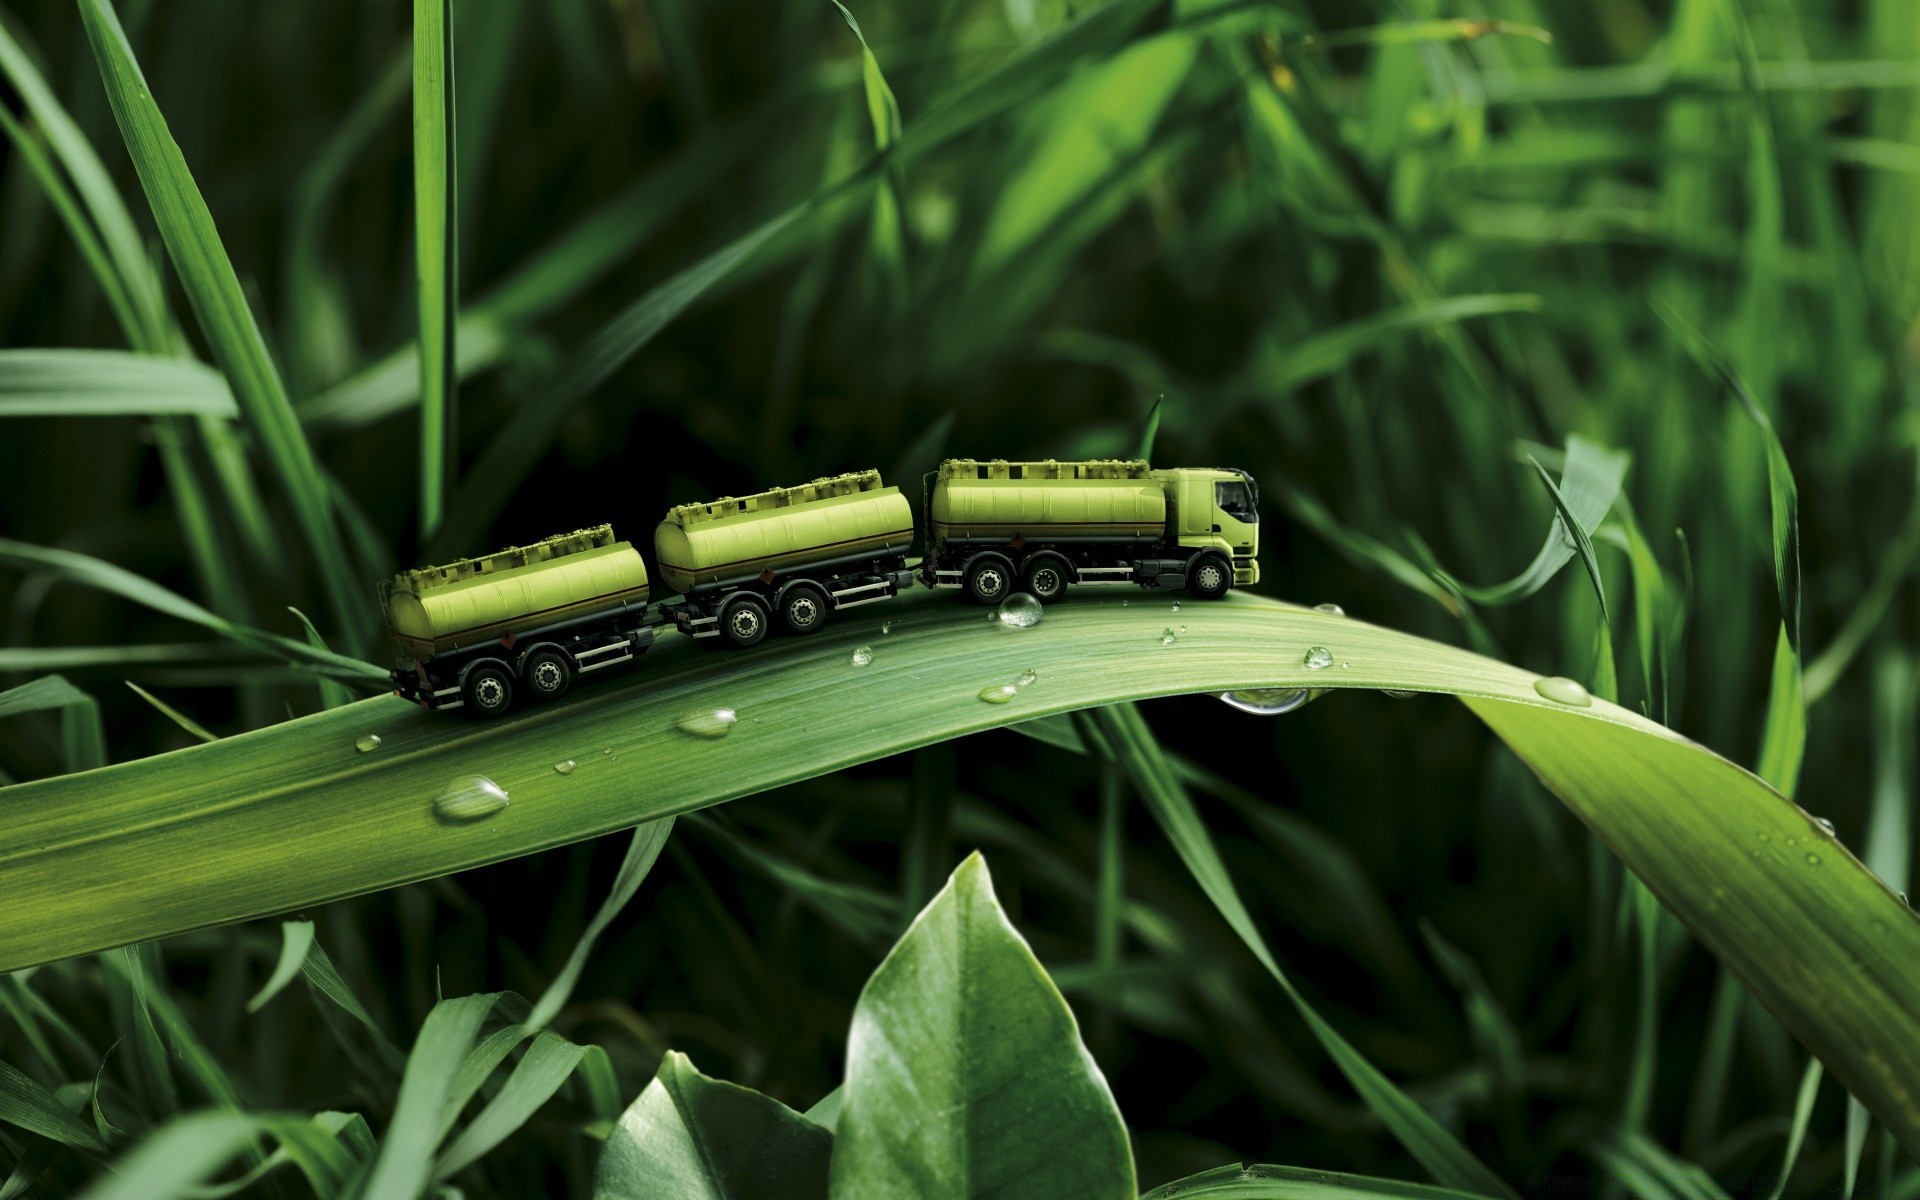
(487, 689)
(989, 579)
(803, 609)
(1046, 579)
(743, 622)
(1210, 577)
(547, 673)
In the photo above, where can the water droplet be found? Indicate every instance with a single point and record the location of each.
(886, 627)
(1346, 666)
(1267, 702)
(1028, 676)
(1825, 824)
(1123, 603)
(1021, 611)
(1905, 901)
(1166, 637)
(1330, 609)
(1391, 694)
(1562, 690)
(608, 751)
(563, 767)
(1319, 658)
(993, 614)
(1182, 630)
(1176, 606)
(863, 656)
(469, 798)
(366, 742)
(1813, 860)
(999, 693)
(713, 723)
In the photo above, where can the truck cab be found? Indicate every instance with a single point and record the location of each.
(1217, 508)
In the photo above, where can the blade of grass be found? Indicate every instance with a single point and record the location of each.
(642, 852)
(1449, 1162)
(98, 383)
(207, 276)
(92, 572)
(1589, 484)
(296, 941)
(405, 1162)
(1823, 944)
(436, 238)
(83, 742)
(192, 727)
(29, 1106)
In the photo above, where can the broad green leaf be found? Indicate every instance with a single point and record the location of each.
(1431, 1145)
(1263, 1182)
(296, 940)
(436, 251)
(965, 1073)
(29, 1106)
(273, 821)
(705, 1139)
(1589, 483)
(207, 276)
(102, 383)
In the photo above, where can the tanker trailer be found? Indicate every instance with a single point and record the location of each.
(797, 553)
(472, 633)
(994, 526)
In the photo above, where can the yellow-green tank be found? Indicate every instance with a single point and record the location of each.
(571, 575)
(1101, 498)
(738, 537)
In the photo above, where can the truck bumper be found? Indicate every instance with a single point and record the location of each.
(1245, 571)
(408, 685)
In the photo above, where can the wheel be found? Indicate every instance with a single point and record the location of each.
(988, 580)
(744, 621)
(487, 689)
(547, 674)
(1046, 579)
(1210, 578)
(803, 609)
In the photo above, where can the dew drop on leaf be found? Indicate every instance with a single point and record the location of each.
(366, 742)
(1020, 611)
(863, 656)
(1561, 690)
(563, 767)
(1028, 676)
(1332, 610)
(1176, 606)
(886, 627)
(711, 723)
(469, 798)
(1166, 637)
(999, 693)
(1391, 694)
(1319, 658)
(1824, 824)
(1267, 702)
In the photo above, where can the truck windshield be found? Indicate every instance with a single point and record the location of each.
(1236, 500)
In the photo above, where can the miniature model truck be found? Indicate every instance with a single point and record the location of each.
(994, 527)
(471, 633)
(794, 553)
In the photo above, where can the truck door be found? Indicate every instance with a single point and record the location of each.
(1237, 516)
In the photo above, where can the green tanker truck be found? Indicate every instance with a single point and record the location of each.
(793, 554)
(471, 633)
(997, 526)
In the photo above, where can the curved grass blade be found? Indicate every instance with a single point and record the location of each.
(27, 1105)
(1589, 484)
(642, 852)
(92, 572)
(1263, 1182)
(207, 276)
(549, 1063)
(191, 726)
(1449, 1162)
(102, 383)
(83, 741)
(296, 940)
(1826, 946)
(406, 1151)
(436, 246)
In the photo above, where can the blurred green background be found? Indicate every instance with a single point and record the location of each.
(1376, 253)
